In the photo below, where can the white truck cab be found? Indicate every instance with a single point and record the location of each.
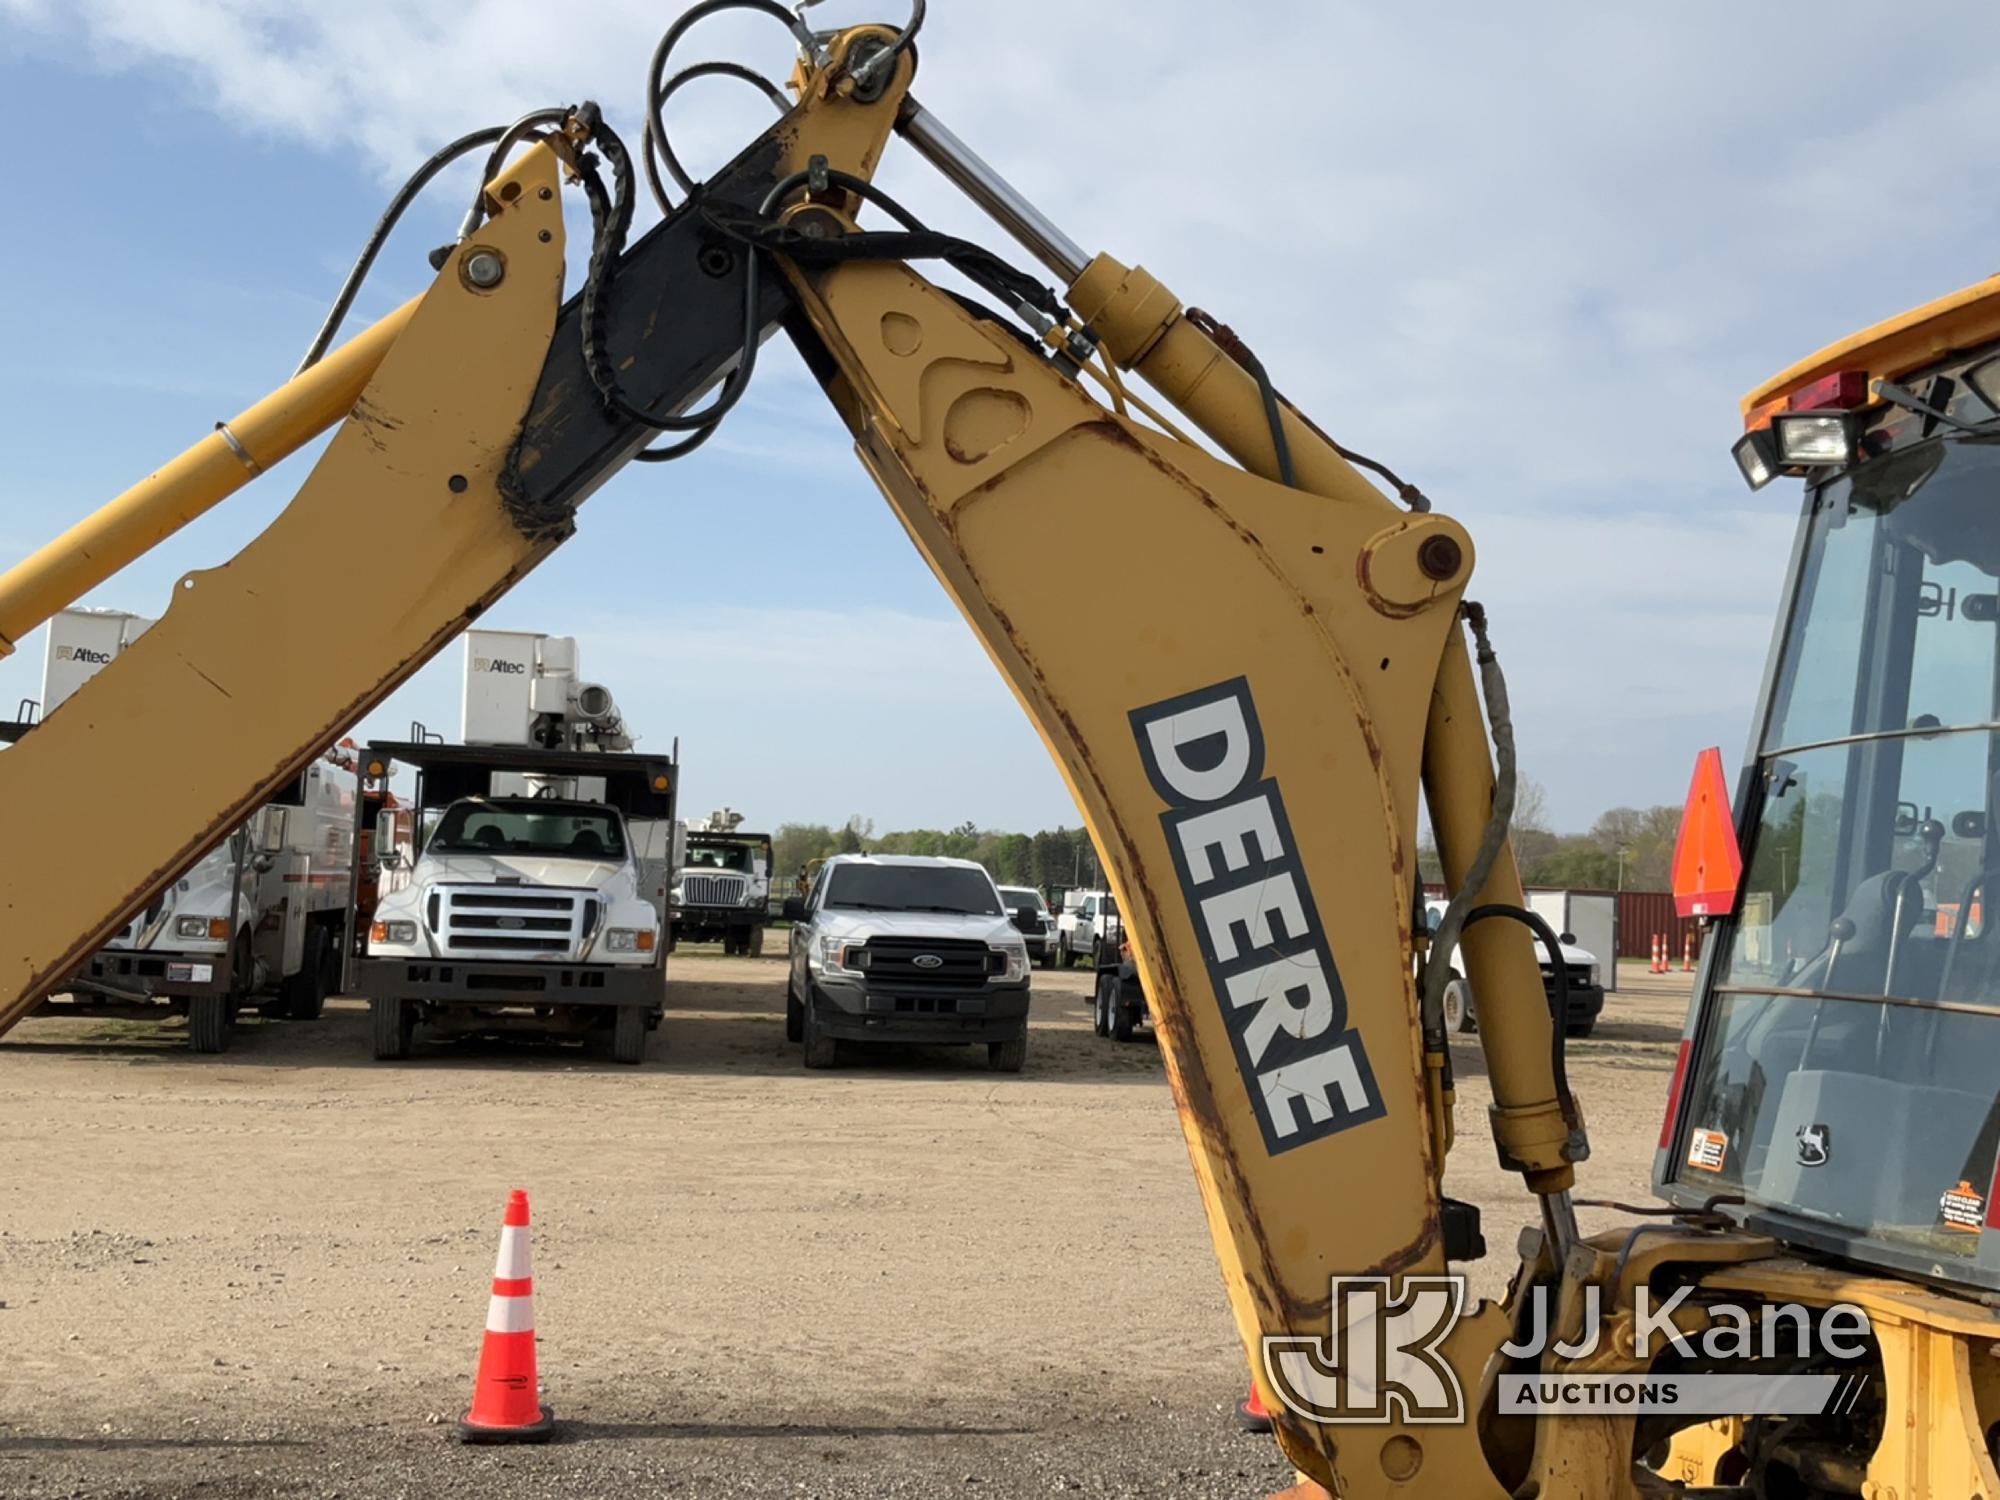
(1088, 928)
(518, 898)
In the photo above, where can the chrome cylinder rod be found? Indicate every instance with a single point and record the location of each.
(992, 192)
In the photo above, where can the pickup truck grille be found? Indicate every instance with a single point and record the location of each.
(1578, 975)
(713, 890)
(962, 963)
(511, 922)
(1029, 922)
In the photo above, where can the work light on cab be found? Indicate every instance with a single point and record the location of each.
(1757, 456)
(1814, 439)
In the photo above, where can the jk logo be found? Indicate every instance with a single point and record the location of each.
(1384, 1358)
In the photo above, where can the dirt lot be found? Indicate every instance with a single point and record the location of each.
(265, 1273)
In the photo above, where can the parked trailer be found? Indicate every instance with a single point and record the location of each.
(258, 919)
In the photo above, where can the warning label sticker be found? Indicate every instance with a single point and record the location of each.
(1707, 1150)
(1963, 1208)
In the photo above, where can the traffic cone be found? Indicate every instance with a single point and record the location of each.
(1687, 954)
(506, 1397)
(1251, 1413)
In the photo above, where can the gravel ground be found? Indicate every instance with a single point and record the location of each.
(265, 1273)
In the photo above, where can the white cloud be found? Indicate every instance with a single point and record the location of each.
(1530, 256)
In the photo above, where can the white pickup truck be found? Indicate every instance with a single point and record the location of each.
(1088, 929)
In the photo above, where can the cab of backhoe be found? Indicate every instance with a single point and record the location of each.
(1840, 1075)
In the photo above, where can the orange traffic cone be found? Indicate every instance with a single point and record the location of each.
(506, 1397)
(1687, 954)
(1251, 1413)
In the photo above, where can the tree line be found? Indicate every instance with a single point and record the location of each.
(1627, 848)
(1055, 857)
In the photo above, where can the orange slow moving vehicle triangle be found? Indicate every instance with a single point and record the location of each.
(1708, 865)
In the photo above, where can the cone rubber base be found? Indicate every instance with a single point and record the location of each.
(1251, 1421)
(534, 1432)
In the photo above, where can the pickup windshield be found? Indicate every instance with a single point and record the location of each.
(560, 830)
(1845, 1071)
(1019, 900)
(912, 888)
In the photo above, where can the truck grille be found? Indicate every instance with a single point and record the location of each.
(963, 963)
(482, 919)
(1578, 975)
(714, 890)
(1027, 921)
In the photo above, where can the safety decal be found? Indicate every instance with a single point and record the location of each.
(1708, 1149)
(1963, 1208)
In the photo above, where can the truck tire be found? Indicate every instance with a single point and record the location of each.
(1124, 1019)
(392, 1024)
(304, 993)
(795, 1016)
(754, 943)
(208, 1023)
(628, 1035)
(820, 1051)
(1458, 1006)
(1580, 1028)
(1009, 1056)
(1102, 1001)
(1064, 958)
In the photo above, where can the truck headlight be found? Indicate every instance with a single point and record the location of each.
(840, 955)
(1016, 955)
(393, 932)
(194, 927)
(1592, 981)
(629, 940)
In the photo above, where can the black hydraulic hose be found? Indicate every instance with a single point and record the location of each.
(649, 143)
(656, 71)
(365, 262)
(1558, 997)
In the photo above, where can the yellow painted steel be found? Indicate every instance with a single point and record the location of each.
(1182, 571)
(1962, 320)
(1143, 327)
(195, 482)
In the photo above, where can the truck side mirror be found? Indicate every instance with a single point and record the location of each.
(263, 862)
(795, 908)
(392, 859)
(1566, 937)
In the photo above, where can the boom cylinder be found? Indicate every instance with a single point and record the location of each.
(196, 482)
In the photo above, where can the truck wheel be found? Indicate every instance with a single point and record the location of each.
(795, 1016)
(208, 1022)
(1458, 1006)
(1580, 1028)
(628, 1034)
(1102, 1002)
(753, 942)
(304, 993)
(821, 1051)
(1124, 1020)
(393, 1023)
(1009, 1056)
(1064, 958)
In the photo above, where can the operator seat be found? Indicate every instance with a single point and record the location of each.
(489, 836)
(587, 843)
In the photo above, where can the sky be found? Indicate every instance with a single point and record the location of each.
(1529, 256)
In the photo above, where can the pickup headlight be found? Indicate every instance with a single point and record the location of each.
(1016, 955)
(1592, 981)
(202, 927)
(629, 940)
(840, 955)
(393, 932)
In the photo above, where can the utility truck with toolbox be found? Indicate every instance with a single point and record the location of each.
(523, 909)
(722, 885)
(517, 890)
(255, 921)
(1088, 929)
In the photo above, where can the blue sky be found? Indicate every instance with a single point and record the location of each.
(1531, 259)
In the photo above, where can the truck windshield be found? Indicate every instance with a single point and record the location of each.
(944, 888)
(574, 830)
(1846, 1069)
(1019, 900)
(739, 857)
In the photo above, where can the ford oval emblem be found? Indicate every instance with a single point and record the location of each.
(928, 961)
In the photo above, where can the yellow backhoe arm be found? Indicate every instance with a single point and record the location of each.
(1274, 672)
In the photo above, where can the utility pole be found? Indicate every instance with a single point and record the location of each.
(1622, 852)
